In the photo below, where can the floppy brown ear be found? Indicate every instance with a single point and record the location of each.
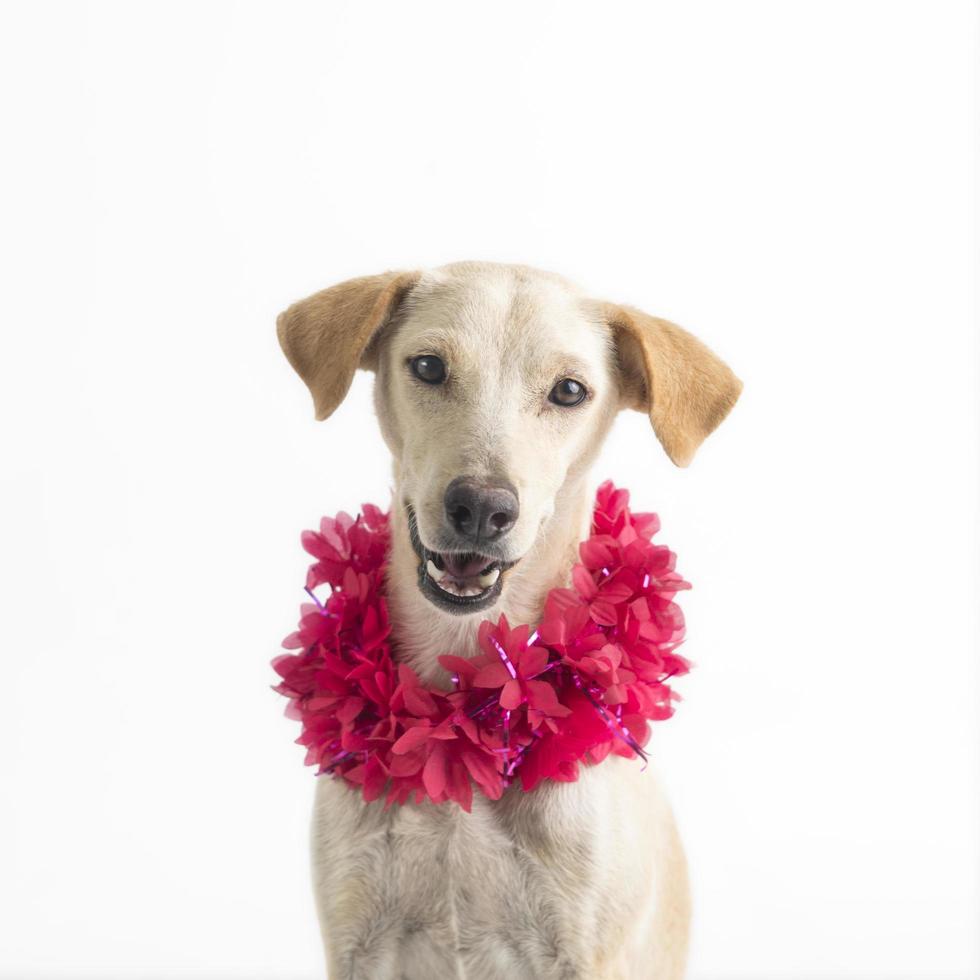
(328, 335)
(685, 388)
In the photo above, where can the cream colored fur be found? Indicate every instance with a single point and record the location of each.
(580, 880)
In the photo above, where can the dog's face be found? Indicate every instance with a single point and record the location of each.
(495, 387)
(490, 390)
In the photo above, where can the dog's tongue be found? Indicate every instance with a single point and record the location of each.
(464, 566)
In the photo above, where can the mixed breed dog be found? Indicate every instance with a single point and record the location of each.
(495, 387)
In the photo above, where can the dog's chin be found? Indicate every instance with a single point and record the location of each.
(458, 582)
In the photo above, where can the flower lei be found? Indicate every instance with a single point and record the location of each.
(531, 704)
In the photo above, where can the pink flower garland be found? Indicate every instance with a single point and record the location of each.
(534, 705)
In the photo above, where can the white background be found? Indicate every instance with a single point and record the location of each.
(792, 181)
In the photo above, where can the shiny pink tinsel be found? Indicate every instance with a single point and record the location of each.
(533, 705)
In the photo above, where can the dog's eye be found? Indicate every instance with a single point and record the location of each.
(428, 368)
(567, 393)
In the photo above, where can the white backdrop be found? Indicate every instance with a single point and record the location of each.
(792, 181)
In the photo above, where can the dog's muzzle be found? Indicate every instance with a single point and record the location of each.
(459, 582)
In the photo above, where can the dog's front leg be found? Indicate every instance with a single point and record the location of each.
(368, 937)
(379, 892)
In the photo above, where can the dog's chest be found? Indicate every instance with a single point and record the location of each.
(512, 889)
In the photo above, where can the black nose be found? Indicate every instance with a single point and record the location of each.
(480, 511)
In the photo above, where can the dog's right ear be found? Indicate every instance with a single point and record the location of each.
(329, 335)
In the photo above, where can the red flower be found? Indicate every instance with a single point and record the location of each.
(557, 756)
(606, 669)
(515, 672)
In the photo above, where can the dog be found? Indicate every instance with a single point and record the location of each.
(495, 387)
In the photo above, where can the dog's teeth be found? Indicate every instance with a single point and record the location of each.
(465, 590)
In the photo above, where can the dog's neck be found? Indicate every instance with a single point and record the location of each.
(422, 633)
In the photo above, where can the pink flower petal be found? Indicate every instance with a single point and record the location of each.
(412, 739)
(493, 675)
(434, 772)
(511, 696)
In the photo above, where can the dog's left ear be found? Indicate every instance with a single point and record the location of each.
(666, 372)
(328, 336)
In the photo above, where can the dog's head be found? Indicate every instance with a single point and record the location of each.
(495, 387)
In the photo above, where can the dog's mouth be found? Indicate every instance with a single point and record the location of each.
(457, 581)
